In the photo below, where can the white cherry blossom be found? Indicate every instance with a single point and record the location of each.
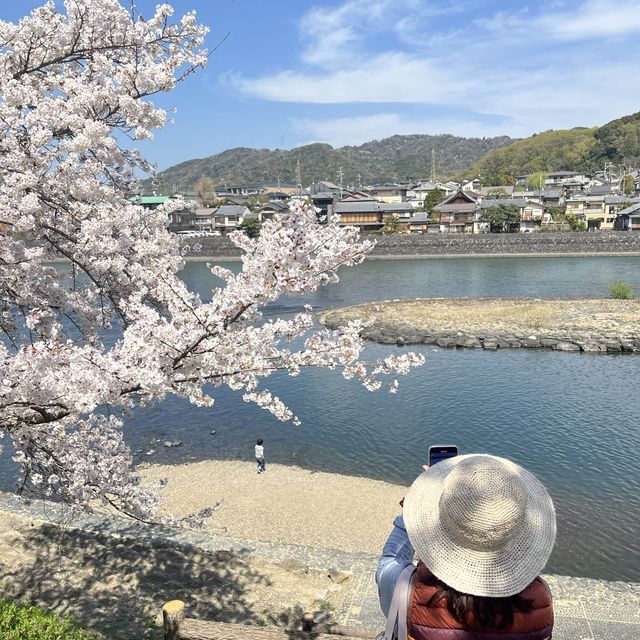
(75, 85)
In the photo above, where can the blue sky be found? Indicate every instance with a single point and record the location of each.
(347, 71)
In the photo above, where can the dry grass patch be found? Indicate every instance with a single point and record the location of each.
(496, 316)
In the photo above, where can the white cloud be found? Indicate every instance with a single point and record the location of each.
(388, 77)
(590, 20)
(505, 70)
(598, 19)
(329, 34)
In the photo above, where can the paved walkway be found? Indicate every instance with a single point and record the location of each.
(585, 609)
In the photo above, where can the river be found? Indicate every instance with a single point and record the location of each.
(572, 419)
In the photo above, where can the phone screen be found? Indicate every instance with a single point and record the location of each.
(437, 454)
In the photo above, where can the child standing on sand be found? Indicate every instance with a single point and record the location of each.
(260, 456)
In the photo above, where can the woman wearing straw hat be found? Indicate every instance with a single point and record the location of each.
(483, 529)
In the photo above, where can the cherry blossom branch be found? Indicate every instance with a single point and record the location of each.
(71, 83)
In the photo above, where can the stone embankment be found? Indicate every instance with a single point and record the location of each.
(500, 244)
(592, 326)
(437, 245)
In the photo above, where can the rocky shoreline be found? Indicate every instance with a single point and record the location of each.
(590, 326)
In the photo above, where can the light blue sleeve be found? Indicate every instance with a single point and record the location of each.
(397, 553)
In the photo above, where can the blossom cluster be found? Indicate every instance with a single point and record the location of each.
(74, 86)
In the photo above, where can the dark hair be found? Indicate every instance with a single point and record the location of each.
(478, 611)
(260, 441)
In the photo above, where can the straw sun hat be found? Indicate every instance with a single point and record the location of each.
(481, 524)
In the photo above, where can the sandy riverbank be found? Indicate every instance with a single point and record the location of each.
(286, 504)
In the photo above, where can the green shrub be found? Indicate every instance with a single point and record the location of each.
(22, 622)
(621, 290)
(575, 224)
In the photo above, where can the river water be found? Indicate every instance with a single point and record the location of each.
(572, 419)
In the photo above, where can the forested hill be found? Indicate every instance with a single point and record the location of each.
(399, 158)
(577, 149)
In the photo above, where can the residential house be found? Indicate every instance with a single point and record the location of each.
(532, 214)
(370, 215)
(272, 208)
(324, 201)
(402, 210)
(603, 189)
(204, 219)
(365, 214)
(628, 219)
(576, 206)
(552, 198)
(229, 217)
(421, 191)
(281, 196)
(355, 196)
(590, 206)
(389, 192)
(563, 178)
(279, 187)
(240, 190)
(323, 186)
(499, 191)
(473, 185)
(456, 214)
(149, 202)
(180, 220)
(614, 204)
(548, 197)
(419, 222)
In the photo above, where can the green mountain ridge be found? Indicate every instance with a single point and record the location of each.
(578, 149)
(404, 158)
(398, 158)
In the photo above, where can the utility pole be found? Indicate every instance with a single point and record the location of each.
(299, 175)
(359, 181)
(340, 174)
(433, 165)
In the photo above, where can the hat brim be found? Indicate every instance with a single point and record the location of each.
(496, 574)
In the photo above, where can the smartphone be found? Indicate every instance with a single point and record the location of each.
(439, 452)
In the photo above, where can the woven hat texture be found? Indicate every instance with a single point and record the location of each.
(482, 524)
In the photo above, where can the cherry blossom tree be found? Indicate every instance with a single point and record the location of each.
(76, 88)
